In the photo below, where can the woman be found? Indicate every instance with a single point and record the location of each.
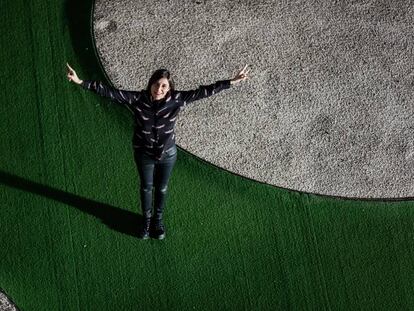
(155, 113)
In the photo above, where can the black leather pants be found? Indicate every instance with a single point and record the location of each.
(154, 176)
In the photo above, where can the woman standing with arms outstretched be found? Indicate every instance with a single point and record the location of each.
(155, 112)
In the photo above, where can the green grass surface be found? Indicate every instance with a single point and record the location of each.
(69, 206)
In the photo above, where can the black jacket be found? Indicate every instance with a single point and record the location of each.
(154, 120)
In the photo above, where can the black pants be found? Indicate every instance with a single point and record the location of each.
(154, 176)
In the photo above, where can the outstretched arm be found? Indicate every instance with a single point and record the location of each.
(208, 90)
(120, 96)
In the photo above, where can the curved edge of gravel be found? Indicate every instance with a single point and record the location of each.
(373, 199)
(6, 304)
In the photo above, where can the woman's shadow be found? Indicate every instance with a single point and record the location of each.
(115, 218)
(77, 16)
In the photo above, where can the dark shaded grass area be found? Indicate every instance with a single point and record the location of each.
(69, 204)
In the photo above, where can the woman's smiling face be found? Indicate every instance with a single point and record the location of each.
(160, 88)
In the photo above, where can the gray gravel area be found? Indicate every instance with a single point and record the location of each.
(6, 304)
(328, 108)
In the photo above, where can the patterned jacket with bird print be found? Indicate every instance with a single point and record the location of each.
(154, 120)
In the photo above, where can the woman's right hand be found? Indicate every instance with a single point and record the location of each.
(72, 76)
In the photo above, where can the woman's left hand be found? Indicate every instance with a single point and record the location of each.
(241, 76)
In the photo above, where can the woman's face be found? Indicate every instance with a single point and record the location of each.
(160, 88)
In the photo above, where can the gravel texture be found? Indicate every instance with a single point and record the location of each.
(6, 304)
(328, 108)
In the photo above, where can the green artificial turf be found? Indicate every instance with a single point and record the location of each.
(69, 206)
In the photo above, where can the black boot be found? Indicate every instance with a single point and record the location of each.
(158, 229)
(145, 231)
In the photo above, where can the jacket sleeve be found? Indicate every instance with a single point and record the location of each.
(202, 91)
(119, 96)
